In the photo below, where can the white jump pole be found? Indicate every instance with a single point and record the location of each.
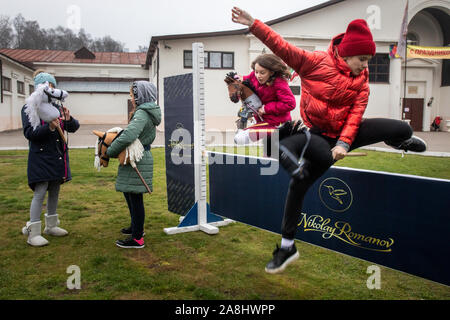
(199, 217)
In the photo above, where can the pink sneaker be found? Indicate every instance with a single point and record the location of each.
(131, 243)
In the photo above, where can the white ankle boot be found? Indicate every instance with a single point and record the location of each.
(33, 231)
(51, 226)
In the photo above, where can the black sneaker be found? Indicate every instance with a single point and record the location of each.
(131, 243)
(281, 259)
(414, 144)
(290, 163)
(127, 231)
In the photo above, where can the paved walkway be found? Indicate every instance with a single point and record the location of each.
(438, 142)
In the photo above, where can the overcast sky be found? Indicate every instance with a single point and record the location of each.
(134, 22)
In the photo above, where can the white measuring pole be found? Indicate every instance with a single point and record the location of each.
(200, 155)
(198, 76)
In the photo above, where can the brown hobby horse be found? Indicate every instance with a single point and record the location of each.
(242, 90)
(104, 141)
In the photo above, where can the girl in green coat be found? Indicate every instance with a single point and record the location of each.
(144, 118)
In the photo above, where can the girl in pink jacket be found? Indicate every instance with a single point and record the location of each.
(269, 80)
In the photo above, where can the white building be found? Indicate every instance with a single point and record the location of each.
(98, 82)
(16, 84)
(312, 29)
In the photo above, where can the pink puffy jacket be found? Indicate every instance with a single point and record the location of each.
(332, 99)
(277, 99)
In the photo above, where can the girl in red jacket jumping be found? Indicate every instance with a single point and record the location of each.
(269, 79)
(335, 93)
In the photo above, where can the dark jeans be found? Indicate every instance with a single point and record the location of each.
(135, 203)
(320, 157)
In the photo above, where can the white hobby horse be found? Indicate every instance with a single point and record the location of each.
(39, 105)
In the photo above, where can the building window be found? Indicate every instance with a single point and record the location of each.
(379, 68)
(213, 60)
(446, 73)
(412, 39)
(6, 84)
(187, 58)
(31, 88)
(20, 87)
(228, 60)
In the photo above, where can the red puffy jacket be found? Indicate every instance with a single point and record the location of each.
(332, 99)
(277, 99)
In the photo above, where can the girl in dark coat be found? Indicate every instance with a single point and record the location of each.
(48, 166)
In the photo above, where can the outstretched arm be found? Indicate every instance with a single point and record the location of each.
(300, 60)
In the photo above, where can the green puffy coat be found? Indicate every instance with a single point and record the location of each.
(143, 126)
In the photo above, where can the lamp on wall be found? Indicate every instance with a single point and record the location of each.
(430, 102)
(167, 46)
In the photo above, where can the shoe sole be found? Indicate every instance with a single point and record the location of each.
(284, 265)
(128, 247)
(40, 245)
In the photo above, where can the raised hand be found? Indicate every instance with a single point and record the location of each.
(65, 113)
(54, 124)
(241, 16)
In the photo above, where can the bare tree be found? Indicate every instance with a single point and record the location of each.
(6, 32)
(142, 49)
(107, 44)
(19, 26)
(29, 35)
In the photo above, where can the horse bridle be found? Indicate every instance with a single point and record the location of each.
(101, 141)
(238, 91)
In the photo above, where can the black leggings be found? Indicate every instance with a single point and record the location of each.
(320, 157)
(135, 203)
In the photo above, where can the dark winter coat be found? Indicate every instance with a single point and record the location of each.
(48, 156)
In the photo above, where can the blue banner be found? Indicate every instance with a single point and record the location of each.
(398, 221)
(179, 128)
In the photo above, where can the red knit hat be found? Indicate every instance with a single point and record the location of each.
(357, 40)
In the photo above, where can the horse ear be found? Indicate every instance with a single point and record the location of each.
(229, 79)
(98, 133)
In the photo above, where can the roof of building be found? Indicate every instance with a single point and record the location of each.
(154, 40)
(95, 86)
(30, 56)
(28, 66)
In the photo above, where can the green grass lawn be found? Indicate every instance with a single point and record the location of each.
(229, 265)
